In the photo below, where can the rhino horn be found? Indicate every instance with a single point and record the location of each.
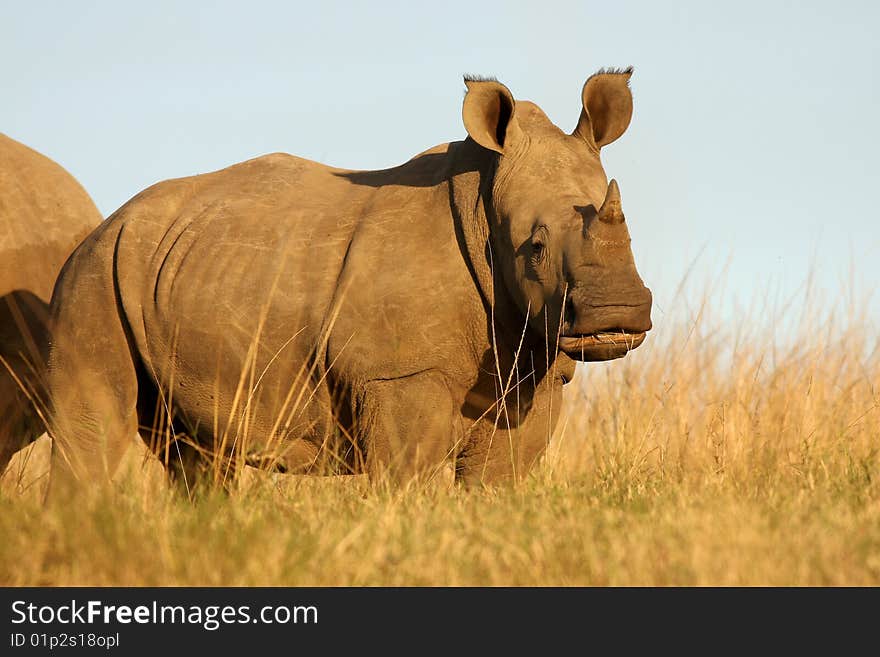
(611, 211)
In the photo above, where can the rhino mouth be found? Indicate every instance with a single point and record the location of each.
(605, 345)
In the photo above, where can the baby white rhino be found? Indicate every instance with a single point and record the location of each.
(289, 315)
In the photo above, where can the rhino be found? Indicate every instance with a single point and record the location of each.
(44, 214)
(308, 319)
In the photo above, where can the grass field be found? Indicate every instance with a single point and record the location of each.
(718, 453)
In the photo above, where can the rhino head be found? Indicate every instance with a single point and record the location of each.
(558, 235)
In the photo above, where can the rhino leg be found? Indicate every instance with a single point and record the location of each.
(18, 425)
(23, 343)
(92, 374)
(408, 426)
(505, 450)
(187, 466)
(176, 450)
(497, 455)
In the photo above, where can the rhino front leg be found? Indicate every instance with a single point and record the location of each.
(498, 455)
(409, 427)
(505, 450)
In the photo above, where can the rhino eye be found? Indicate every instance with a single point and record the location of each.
(539, 245)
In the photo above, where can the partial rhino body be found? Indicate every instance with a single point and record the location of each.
(290, 315)
(44, 214)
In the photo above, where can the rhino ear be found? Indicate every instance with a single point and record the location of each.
(607, 107)
(488, 114)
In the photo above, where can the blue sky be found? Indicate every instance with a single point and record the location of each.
(752, 151)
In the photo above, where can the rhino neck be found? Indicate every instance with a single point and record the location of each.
(471, 177)
(471, 173)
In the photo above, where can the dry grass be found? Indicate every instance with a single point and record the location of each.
(718, 453)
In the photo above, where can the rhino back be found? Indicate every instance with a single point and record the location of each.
(44, 213)
(199, 259)
(240, 279)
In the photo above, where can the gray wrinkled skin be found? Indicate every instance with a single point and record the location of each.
(309, 319)
(44, 213)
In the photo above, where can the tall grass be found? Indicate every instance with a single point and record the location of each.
(725, 450)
